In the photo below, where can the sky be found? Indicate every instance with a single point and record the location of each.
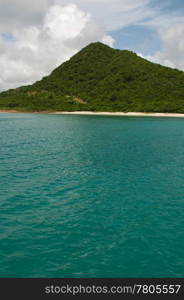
(38, 35)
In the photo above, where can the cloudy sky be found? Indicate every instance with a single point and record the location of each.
(38, 35)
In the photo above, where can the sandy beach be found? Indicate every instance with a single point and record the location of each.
(123, 114)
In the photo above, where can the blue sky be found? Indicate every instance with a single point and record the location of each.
(38, 35)
(143, 38)
(137, 38)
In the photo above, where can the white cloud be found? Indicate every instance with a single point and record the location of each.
(112, 14)
(115, 14)
(38, 35)
(172, 51)
(18, 13)
(35, 50)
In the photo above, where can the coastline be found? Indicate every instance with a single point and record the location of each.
(128, 114)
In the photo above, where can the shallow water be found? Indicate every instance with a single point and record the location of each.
(91, 196)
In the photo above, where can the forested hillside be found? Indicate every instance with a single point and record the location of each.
(100, 78)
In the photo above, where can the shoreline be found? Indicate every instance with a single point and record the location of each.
(123, 114)
(91, 113)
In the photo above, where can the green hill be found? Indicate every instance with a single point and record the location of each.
(100, 78)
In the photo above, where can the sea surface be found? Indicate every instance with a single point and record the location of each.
(91, 196)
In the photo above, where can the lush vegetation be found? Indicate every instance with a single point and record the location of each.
(100, 78)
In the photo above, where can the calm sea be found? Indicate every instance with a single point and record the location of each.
(91, 196)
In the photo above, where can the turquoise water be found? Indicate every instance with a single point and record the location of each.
(91, 196)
